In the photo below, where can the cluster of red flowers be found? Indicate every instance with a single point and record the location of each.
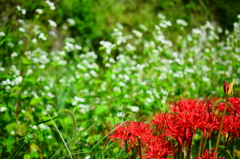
(167, 134)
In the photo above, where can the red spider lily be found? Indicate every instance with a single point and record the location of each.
(208, 155)
(231, 125)
(158, 147)
(234, 108)
(131, 132)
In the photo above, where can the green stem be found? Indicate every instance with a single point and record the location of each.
(221, 125)
(139, 147)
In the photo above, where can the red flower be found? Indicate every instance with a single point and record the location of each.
(131, 132)
(158, 147)
(208, 155)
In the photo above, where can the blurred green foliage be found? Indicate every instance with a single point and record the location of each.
(104, 60)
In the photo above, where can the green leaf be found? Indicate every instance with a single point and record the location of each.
(35, 101)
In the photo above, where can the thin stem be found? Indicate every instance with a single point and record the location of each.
(220, 129)
(127, 148)
(139, 147)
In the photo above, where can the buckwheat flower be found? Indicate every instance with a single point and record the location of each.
(78, 47)
(22, 30)
(143, 27)
(52, 23)
(43, 127)
(209, 25)
(137, 33)
(130, 47)
(18, 80)
(111, 60)
(71, 21)
(181, 22)
(116, 89)
(39, 11)
(122, 84)
(21, 21)
(34, 40)
(49, 136)
(42, 66)
(196, 31)
(49, 94)
(2, 33)
(23, 11)
(88, 157)
(7, 88)
(79, 99)
(52, 33)
(133, 108)
(161, 16)
(2, 109)
(18, 8)
(12, 132)
(93, 73)
(107, 65)
(120, 114)
(107, 45)
(2, 69)
(34, 127)
(14, 54)
(42, 37)
(205, 79)
(51, 5)
(69, 46)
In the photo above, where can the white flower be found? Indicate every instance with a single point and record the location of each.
(88, 157)
(120, 114)
(130, 47)
(69, 46)
(51, 5)
(12, 132)
(18, 8)
(2, 33)
(21, 21)
(8, 88)
(2, 109)
(23, 11)
(143, 27)
(34, 127)
(78, 47)
(18, 80)
(14, 54)
(52, 23)
(21, 29)
(137, 33)
(49, 94)
(181, 22)
(71, 21)
(49, 136)
(42, 37)
(2, 69)
(116, 89)
(107, 45)
(43, 127)
(79, 99)
(196, 31)
(39, 11)
(133, 108)
(93, 73)
(34, 40)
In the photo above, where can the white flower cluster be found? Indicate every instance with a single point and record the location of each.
(23, 11)
(50, 4)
